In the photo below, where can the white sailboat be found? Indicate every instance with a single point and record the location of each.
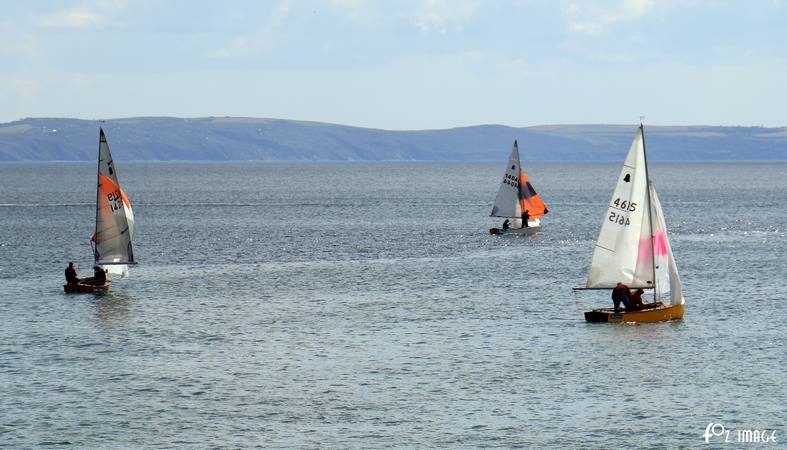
(112, 249)
(633, 247)
(517, 201)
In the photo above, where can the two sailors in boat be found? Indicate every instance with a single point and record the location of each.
(99, 275)
(631, 300)
(525, 218)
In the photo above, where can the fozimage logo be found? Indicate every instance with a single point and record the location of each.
(741, 436)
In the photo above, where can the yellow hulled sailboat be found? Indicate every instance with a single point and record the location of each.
(633, 247)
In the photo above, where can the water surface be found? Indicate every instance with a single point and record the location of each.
(365, 305)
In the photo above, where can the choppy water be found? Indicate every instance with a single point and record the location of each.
(365, 305)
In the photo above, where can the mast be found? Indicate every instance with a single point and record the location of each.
(518, 180)
(98, 184)
(650, 212)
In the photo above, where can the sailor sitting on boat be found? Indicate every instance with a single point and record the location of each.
(71, 274)
(99, 277)
(635, 300)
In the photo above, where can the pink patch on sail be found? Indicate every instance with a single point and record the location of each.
(660, 243)
(644, 252)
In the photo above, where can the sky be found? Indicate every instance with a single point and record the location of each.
(399, 64)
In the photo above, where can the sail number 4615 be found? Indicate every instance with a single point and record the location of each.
(625, 205)
(618, 218)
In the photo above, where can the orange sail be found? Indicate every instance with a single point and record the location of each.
(529, 200)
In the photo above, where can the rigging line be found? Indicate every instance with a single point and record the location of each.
(576, 301)
(607, 249)
(619, 208)
(604, 288)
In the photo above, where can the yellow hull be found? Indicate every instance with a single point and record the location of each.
(658, 314)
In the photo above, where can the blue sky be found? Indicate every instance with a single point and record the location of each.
(409, 64)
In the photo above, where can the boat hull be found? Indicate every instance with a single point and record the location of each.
(527, 231)
(86, 288)
(658, 314)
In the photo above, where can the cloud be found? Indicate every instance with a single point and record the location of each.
(91, 15)
(76, 19)
(364, 12)
(265, 38)
(238, 47)
(595, 19)
(444, 15)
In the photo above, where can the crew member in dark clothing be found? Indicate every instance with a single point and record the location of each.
(525, 218)
(505, 224)
(620, 294)
(99, 275)
(635, 300)
(71, 274)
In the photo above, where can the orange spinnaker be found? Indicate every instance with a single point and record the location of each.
(529, 200)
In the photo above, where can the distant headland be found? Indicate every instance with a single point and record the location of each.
(260, 139)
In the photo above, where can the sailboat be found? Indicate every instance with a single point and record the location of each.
(633, 247)
(517, 201)
(111, 242)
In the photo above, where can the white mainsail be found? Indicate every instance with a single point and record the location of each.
(623, 249)
(114, 217)
(507, 200)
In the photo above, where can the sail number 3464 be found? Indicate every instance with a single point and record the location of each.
(624, 205)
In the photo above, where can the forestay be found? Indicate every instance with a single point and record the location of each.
(516, 194)
(114, 217)
(623, 249)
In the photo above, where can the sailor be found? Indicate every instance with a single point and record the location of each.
(71, 274)
(505, 224)
(525, 217)
(620, 294)
(635, 300)
(99, 275)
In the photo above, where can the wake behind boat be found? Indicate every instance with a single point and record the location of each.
(517, 201)
(112, 250)
(633, 247)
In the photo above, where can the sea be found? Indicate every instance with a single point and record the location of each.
(366, 305)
